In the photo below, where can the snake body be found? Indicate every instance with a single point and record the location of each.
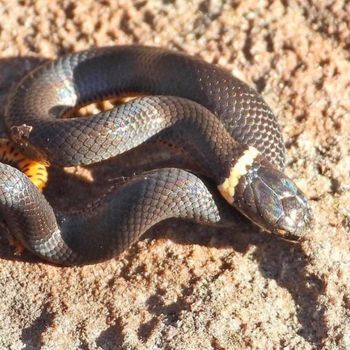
(207, 120)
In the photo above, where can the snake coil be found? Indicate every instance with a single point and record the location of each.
(200, 118)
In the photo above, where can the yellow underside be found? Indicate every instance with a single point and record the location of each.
(37, 172)
(227, 188)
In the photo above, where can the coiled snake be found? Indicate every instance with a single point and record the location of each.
(200, 118)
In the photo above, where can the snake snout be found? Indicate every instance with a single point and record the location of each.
(297, 216)
(274, 202)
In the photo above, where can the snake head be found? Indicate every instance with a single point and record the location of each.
(270, 199)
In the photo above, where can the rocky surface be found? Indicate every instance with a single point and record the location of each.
(185, 287)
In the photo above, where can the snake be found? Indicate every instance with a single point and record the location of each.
(192, 125)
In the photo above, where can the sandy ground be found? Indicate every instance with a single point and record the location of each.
(185, 287)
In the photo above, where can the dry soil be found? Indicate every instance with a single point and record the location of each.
(185, 287)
